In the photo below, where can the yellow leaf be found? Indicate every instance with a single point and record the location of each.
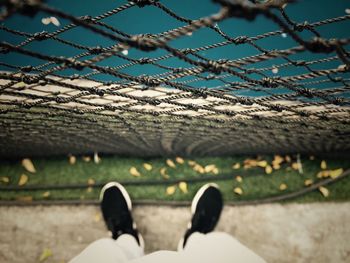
(216, 171)
(183, 187)
(133, 171)
(308, 182)
(28, 165)
(5, 179)
(323, 174)
(288, 159)
(86, 158)
(209, 168)
(97, 217)
(46, 194)
(89, 189)
(170, 163)
(323, 165)
(191, 163)
(262, 164)
(147, 166)
(312, 157)
(324, 191)
(170, 190)
(163, 173)
(198, 168)
(236, 166)
(97, 158)
(91, 181)
(24, 198)
(179, 160)
(276, 166)
(72, 159)
(295, 166)
(23, 180)
(336, 173)
(283, 187)
(45, 254)
(268, 169)
(238, 190)
(239, 179)
(278, 159)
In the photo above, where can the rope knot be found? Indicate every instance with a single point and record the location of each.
(142, 3)
(41, 35)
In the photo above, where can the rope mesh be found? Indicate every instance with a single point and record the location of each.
(79, 103)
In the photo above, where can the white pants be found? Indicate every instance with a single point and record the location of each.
(212, 247)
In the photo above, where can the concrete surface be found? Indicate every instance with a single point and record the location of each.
(318, 232)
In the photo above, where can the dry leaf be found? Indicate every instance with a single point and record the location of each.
(312, 157)
(323, 165)
(86, 158)
(295, 166)
(97, 217)
(198, 168)
(170, 163)
(163, 173)
(323, 174)
(324, 191)
(238, 190)
(170, 190)
(179, 160)
(72, 160)
(28, 165)
(97, 159)
(45, 254)
(46, 194)
(336, 173)
(24, 198)
(133, 171)
(23, 180)
(236, 166)
(262, 164)
(209, 168)
(215, 171)
(5, 179)
(239, 179)
(89, 189)
(90, 181)
(288, 159)
(276, 166)
(308, 182)
(147, 166)
(283, 187)
(183, 187)
(191, 163)
(268, 169)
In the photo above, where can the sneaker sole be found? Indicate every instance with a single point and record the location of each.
(194, 207)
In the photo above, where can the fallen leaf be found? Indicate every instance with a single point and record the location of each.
(308, 182)
(170, 163)
(179, 160)
(5, 179)
(198, 168)
(23, 180)
(295, 166)
(238, 190)
(24, 198)
(28, 165)
(278, 159)
(89, 189)
(72, 159)
(268, 169)
(86, 158)
(276, 166)
(97, 217)
(239, 179)
(209, 168)
(312, 157)
(288, 158)
(45, 254)
(164, 173)
(336, 173)
(97, 159)
(133, 171)
(90, 181)
(324, 191)
(46, 194)
(323, 174)
(323, 165)
(191, 163)
(183, 187)
(215, 171)
(236, 166)
(283, 187)
(147, 166)
(170, 190)
(262, 164)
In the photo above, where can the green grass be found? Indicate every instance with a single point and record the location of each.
(58, 171)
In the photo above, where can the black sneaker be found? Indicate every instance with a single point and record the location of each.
(206, 208)
(116, 209)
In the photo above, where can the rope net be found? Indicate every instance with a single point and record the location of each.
(198, 88)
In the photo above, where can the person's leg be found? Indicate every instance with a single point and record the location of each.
(126, 242)
(218, 247)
